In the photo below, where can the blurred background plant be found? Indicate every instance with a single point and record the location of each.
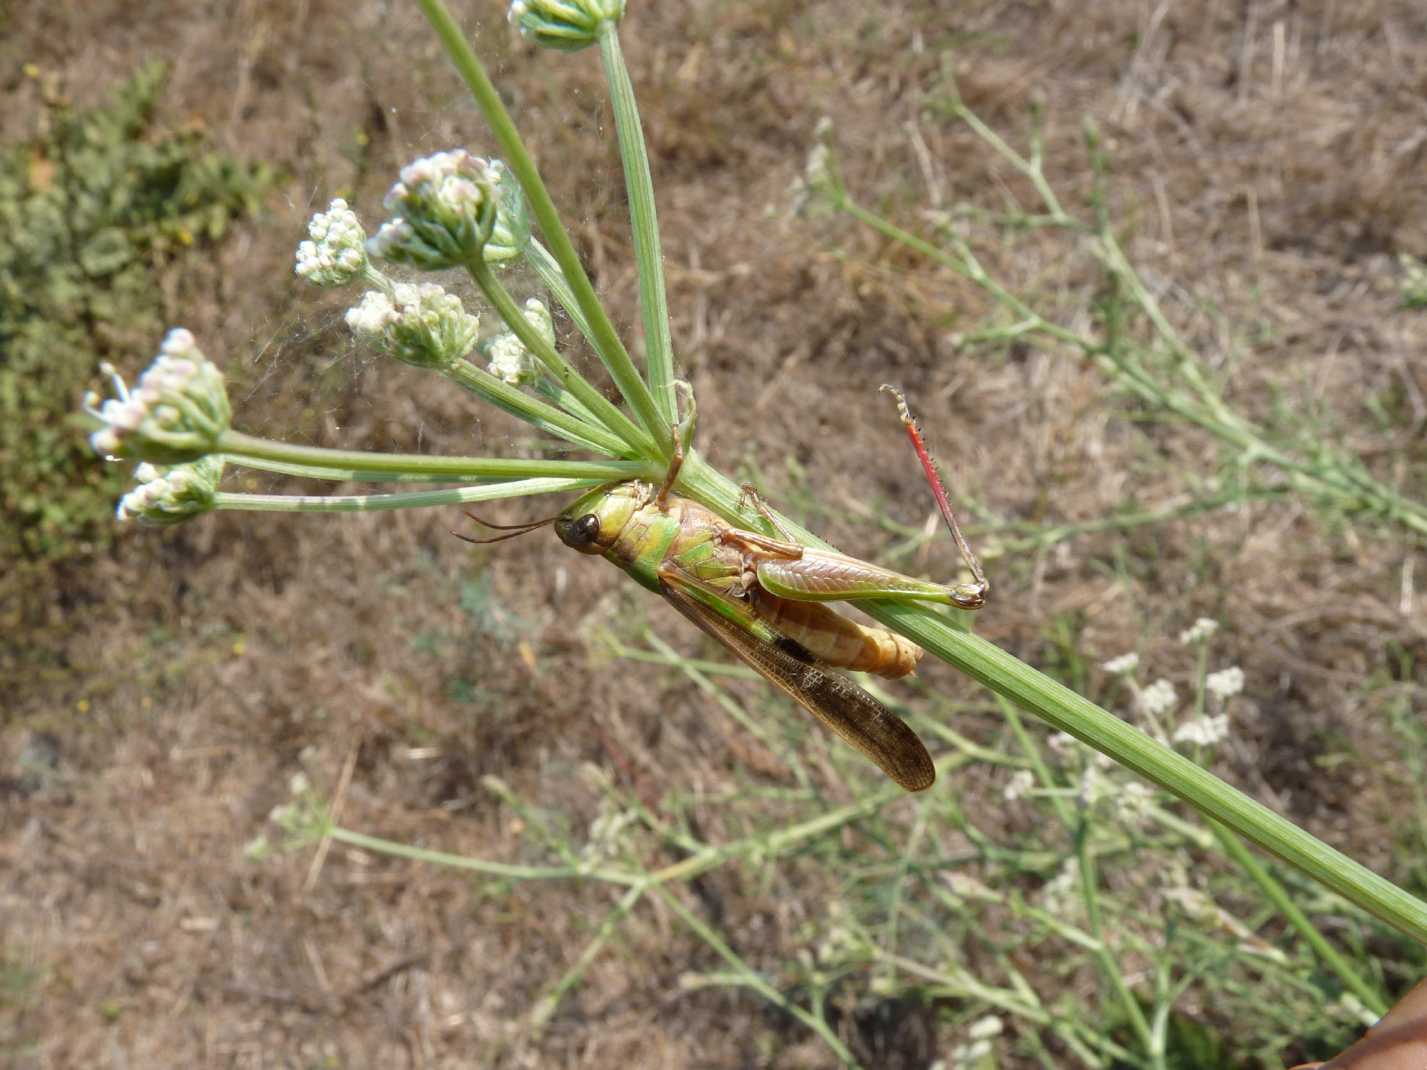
(92, 205)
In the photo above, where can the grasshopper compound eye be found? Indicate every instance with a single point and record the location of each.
(579, 533)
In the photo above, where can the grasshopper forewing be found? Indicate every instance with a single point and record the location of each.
(854, 715)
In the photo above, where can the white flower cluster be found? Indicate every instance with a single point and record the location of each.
(1200, 631)
(1226, 683)
(417, 324)
(171, 495)
(1020, 784)
(1203, 731)
(337, 253)
(818, 187)
(510, 360)
(567, 25)
(443, 210)
(1124, 665)
(977, 1048)
(1159, 698)
(175, 414)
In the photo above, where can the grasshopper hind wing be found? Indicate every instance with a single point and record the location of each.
(850, 712)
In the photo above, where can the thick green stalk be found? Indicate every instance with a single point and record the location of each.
(1063, 709)
(607, 342)
(636, 438)
(644, 221)
(239, 446)
(421, 499)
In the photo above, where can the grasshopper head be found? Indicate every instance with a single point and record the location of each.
(593, 523)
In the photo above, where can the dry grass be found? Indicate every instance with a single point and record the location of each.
(1268, 160)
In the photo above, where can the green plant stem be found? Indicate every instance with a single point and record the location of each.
(748, 977)
(637, 440)
(1276, 894)
(239, 447)
(338, 475)
(575, 426)
(1068, 712)
(644, 222)
(549, 1003)
(606, 339)
(1109, 964)
(502, 870)
(363, 503)
(543, 264)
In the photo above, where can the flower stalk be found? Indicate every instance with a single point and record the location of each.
(606, 339)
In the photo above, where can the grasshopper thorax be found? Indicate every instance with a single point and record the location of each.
(592, 524)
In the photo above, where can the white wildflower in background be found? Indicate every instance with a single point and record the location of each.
(1203, 731)
(607, 835)
(1063, 743)
(1156, 699)
(1132, 801)
(819, 187)
(566, 25)
(843, 942)
(1195, 905)
(176, 413)
(336, 253)
(420, 324)
(1124, 665)
(1225, 684)
(1202, 629)
(1061, 892)
(977, 1048)
(509, 359)
(173, 494)
(1093, 786)
(443, 212)
(1021, 782)
(965, 886)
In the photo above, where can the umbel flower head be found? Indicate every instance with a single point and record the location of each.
(176, 413)
(443, 211)
(509, 359)
(420, 324)
(172, 495)
(568, 25)
(337, 253)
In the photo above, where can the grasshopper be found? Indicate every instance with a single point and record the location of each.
(763, 598)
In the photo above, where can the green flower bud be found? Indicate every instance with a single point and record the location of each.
(568, 25)
(337, 253)
(172, 495)
(443, 210)
(421, 325)
(509, 359)
(176, 414)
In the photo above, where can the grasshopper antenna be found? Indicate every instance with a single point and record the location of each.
(514, 530)
(964, 595)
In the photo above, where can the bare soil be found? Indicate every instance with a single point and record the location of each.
(1268, 163)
